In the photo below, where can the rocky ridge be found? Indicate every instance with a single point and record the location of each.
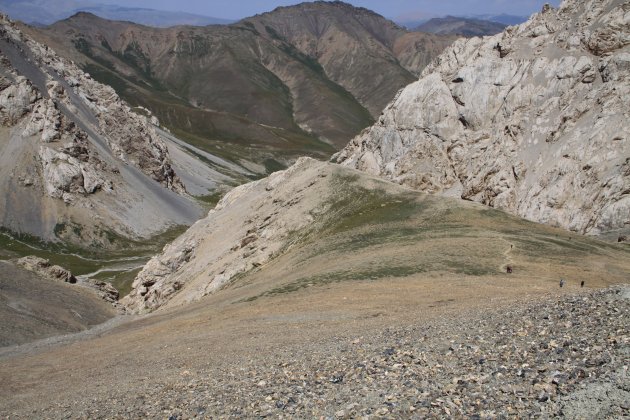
(533, 121)
(240, 242)
(44, 268)
(131, 137)
(322, 223)
(76, 152)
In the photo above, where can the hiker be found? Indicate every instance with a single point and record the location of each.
(561, 283)
(509, 269)
(582, 284)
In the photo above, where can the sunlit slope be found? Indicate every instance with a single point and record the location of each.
(317, 224)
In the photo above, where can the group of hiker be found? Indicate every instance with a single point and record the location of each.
(510, 270)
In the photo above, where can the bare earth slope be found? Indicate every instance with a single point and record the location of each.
(383, 343)
(533, 121)
(34, 307)
(77, 163)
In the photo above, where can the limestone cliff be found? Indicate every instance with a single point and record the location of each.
(76, 162)
(534, 121)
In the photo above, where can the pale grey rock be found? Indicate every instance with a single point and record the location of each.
(68, 142)
(104, 290)
(44, 268)
(62, 173)
(16, 99)
(131, 137)
(534, 121)
(248, 227)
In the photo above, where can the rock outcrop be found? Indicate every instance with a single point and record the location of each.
(132, 137)
(248, 227)
(44, 268)
(105, 291)
(76, 163)
(47, 270)
(533, 121)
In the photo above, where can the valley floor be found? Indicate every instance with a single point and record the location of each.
(414, 347)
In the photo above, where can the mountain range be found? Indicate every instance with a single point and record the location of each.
(524, 121)
(300, 80)
(240, 101)
(504, 19)
(46, 12)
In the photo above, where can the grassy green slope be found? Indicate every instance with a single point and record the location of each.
(371, 235)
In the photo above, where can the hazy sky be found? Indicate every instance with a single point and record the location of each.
(400, 9)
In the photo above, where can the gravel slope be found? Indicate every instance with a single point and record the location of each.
(558, 354)
(32, 307)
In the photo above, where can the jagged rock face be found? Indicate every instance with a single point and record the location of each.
(533, 121)
(68, 166)
(132, 138)
(73, 153)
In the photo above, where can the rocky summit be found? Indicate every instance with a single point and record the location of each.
(533, 121)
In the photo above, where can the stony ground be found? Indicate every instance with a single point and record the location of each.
(543, 357)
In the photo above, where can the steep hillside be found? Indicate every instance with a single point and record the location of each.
(76, 163)
(34, 307)
(357, 48)
(369, 298)
(533, 121)
(264, 90)
(318, 224)
(451, 25)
